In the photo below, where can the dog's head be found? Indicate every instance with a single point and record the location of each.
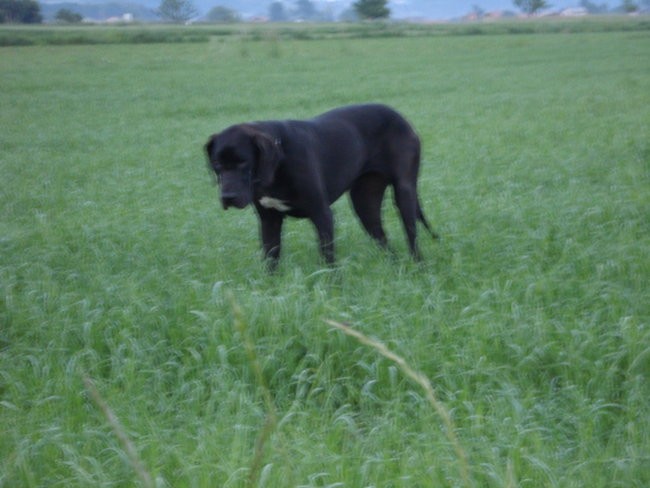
(242, 157)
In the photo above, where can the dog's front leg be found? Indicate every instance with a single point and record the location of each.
(271, 229)
(324, 222)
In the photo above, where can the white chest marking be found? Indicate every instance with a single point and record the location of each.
(269, 202)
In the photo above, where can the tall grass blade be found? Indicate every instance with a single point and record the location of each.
(120, 433)
(423, 381)
(271, 415)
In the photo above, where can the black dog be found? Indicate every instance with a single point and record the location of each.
(299, 168)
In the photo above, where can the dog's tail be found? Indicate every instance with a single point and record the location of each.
(423, 219)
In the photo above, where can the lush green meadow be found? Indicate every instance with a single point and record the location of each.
(530, 317)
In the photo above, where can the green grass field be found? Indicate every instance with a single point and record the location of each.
(530, 317)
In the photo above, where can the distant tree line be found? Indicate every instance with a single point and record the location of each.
(20, 12)
(222, 15)
(182, 11)
(177, 11)
(305, 10)
(67, 16)
(531, 7)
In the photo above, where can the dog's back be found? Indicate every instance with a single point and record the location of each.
(370, 118)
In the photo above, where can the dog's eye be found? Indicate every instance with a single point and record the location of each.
(231, 157)
(236, 162)
(233, 165)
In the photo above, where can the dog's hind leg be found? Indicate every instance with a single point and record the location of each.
(367, 194)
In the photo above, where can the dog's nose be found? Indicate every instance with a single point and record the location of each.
(228, 201)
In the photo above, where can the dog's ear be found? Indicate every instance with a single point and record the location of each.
(269, 155)
(208, 151)
(209, 145)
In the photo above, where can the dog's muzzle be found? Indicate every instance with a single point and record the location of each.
(235, 187)
(232, 200)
